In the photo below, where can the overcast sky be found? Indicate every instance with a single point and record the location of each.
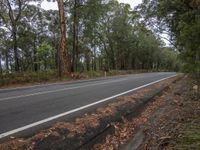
(53, 5)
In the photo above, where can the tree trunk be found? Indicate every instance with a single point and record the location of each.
(54, 42)
(0, 65)
(35, 56)
(197, 61)
(112, 55)
(75, 39)
(87, 59)
(14, 32)
(77, 50)
(7, 63)
(14, 21)
(95, 61)
(63, 57)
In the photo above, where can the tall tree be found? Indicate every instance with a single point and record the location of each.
(75, 36)
(63, 57)
(181, 20)
(11, 13)
(13, 10)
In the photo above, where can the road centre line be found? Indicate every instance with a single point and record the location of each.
(76, 109)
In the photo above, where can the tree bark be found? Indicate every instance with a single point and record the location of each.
(56, 53)
(7, 63)
(75, 38)
(87, 58)
(35, 55)
(14, 21)
(0, 65)
(95, 61)
(15, 48)
(77, 50)
(112, 57)
(63, 56)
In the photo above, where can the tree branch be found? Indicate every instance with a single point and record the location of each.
(11, 13)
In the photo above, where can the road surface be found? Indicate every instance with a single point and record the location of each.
(23, 109)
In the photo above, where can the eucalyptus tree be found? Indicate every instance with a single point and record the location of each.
(2, 34)
(11, 14)
(123, 35)
(93, 12)
(180, 19)
(74, 9)
(33, 30)
(63, 54)
(5, 44)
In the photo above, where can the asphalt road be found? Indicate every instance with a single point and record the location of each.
(25, 108)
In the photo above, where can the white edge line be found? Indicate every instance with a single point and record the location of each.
(75, 110)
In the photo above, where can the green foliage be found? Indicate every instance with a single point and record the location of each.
(181, 19)
(189, 38)
(170, 60)
(110, 36)
(45, 56)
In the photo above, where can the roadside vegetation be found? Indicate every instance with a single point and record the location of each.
(101, 36)
(180, 19)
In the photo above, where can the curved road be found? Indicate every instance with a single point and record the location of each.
(22, 109)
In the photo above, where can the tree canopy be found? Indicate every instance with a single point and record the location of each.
(101, 35)
(181, 20)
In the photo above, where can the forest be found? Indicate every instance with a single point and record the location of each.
(97, 35)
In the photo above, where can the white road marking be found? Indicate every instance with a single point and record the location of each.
(75, 110)
(59, 90)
